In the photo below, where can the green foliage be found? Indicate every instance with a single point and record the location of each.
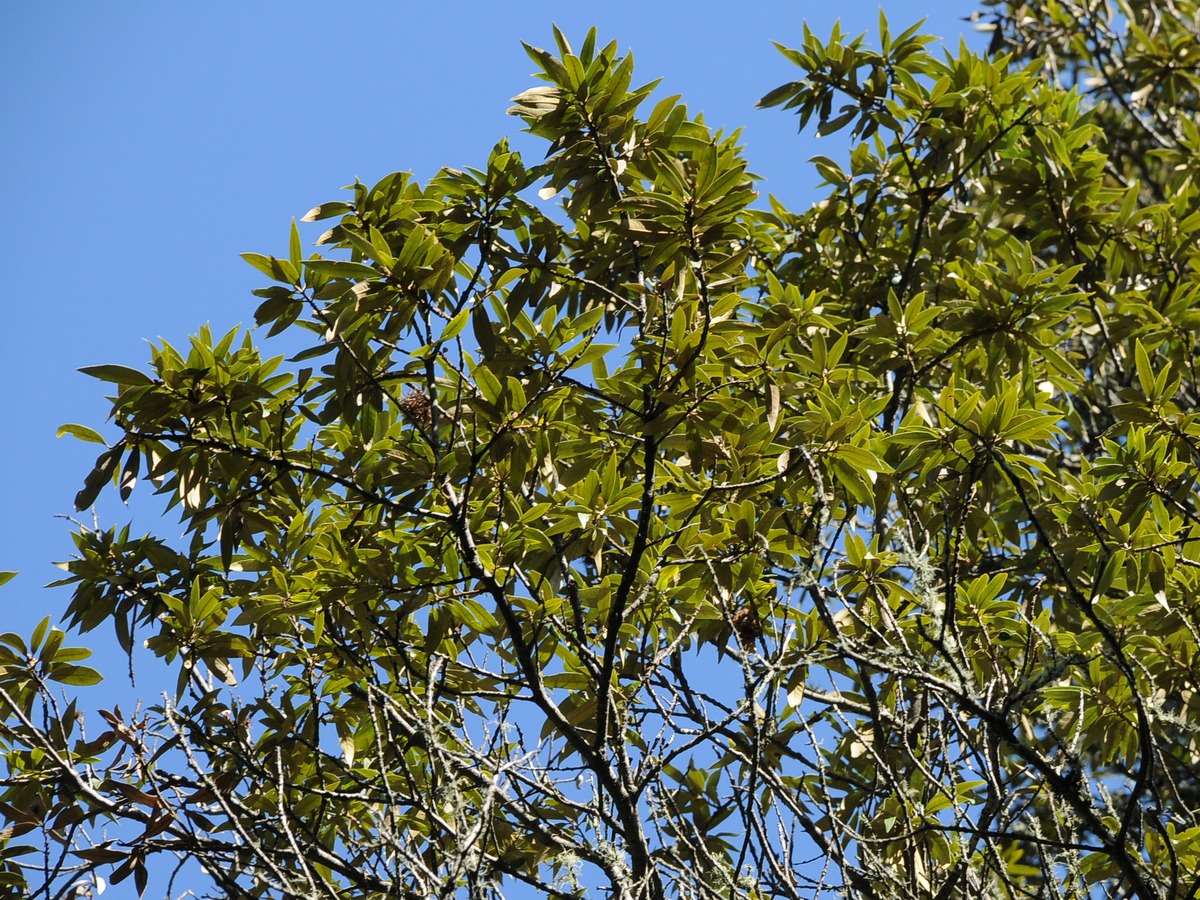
(660, 543)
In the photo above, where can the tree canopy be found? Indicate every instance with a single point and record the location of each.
(608, 528)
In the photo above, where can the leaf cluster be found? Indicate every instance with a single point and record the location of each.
(608, 531)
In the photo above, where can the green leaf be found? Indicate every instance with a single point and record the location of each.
(80, 676)
(488, 384)
(229, 535)
(82, 432)
(279, 270)
(295, 250)
(6, 577)
(101, 474)
(338, 268)
(1145, 370)
(129, 474)
(481, 325)
(326, 211)
(116, 374)
(35, 641)
(456, 324)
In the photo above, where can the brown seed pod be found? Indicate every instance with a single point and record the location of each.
(747, 626)
(416, 403)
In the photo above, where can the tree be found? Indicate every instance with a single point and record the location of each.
(660, 544)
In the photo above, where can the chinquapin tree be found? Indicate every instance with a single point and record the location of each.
(616, 530)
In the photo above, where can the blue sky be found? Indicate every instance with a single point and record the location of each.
(146, 144)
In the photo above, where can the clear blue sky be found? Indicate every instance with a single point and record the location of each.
(144, 145)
